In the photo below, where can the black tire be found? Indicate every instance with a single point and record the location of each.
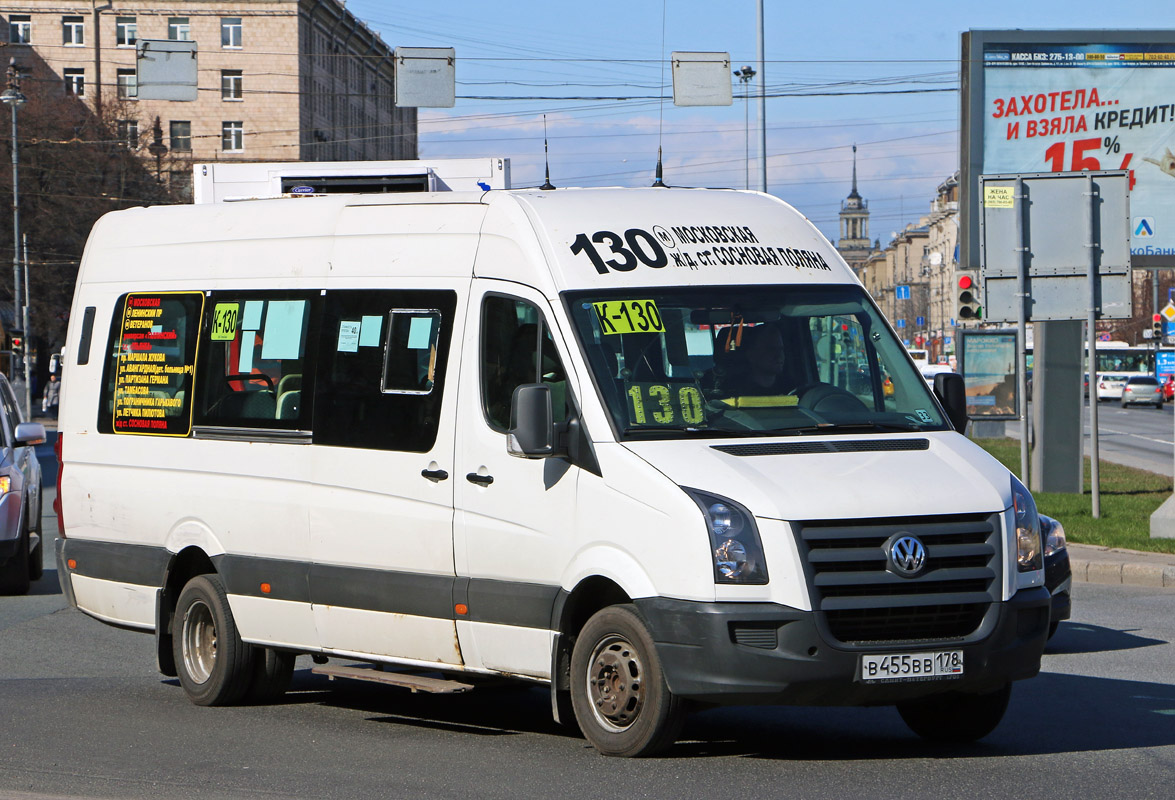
(1053, 628)
(618, 690)
(272, 672)
(14, 574)
(215, 667)
(956, 717)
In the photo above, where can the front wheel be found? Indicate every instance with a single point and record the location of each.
(618, 690)
(956, 717)
(215, 667)
(14, 573)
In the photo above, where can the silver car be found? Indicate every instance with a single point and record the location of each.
(1143, 389)
(20, 496)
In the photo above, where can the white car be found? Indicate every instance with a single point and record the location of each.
(930, 370)
(1109, 387)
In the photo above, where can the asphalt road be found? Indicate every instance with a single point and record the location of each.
(84, 714)
(1138, 436)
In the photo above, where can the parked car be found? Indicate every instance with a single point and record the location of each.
(1142, 389)
(1109, 387)
(1058, 578)
(1169, 389)
(930, 370)
(20, 496)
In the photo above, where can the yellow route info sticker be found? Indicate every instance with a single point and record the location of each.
(225, 318)
(628, 316)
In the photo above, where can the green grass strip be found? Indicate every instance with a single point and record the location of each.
(1128, 498)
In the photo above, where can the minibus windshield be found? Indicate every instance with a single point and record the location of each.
(749, 360)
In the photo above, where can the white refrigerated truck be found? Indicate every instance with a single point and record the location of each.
(632, 444)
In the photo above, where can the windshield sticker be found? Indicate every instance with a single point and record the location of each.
(628, 316)
(677, 405)
(225, 317)
(923, 415)
(761, 401)
(686, 246)
(348, 337)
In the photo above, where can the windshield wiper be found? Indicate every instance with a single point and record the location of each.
(834, 427)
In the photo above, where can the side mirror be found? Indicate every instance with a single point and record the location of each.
(30, 433)
(952, 393)
(532, 422)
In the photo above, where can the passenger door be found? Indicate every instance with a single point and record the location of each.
(381, 499)
(513, 514)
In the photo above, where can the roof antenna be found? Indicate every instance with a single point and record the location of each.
(546, 158)
(658, 183)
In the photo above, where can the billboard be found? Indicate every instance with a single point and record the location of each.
(988, 362)
(1060, 101)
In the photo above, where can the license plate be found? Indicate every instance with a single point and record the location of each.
(912, 666)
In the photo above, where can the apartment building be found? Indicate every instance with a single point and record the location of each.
(278, 80)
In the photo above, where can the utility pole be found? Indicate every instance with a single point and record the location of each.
(744, 76)
(762, 107)
(13, 98)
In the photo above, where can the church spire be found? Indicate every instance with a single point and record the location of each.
(853, 194)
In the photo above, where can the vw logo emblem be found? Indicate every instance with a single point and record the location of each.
(907, 554)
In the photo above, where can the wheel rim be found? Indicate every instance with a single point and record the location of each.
(615, 683)
(199, 641)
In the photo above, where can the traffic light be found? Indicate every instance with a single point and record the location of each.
(1157, 326)
(967, 296)
(17, 341)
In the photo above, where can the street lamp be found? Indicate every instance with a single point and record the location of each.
(12, 97)
(744, 76)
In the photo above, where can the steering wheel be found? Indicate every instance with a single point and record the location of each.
(826, 398)
(246, 377)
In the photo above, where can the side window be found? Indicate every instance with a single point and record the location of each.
(381, 374)
(150, 362)
(517, 348)
(253, 360)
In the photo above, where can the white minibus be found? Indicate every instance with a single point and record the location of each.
(652, 448)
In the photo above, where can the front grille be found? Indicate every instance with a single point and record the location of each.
(749, 634)
(861, 599)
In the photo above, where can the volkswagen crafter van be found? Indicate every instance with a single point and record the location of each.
(630, 443)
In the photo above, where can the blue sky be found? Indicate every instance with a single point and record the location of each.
(907, 143)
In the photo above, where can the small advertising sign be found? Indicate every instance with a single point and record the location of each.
(988, 365)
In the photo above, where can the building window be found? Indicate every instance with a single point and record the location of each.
(178, 29)
(126, 31)
(75, 81)
(128, 132)
(128, 84)
(232, 136)
(230, 32)
(181, 134)
(73, 31)
(20, 28)
(231, 85)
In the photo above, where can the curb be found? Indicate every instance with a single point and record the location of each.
(1090, 564)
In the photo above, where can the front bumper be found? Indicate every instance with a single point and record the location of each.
(703, 659)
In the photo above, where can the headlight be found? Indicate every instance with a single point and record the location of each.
(1053, 534)
(734, 540)
(1029, 554)
(5, 484)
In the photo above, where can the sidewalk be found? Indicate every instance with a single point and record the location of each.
(1093, 564)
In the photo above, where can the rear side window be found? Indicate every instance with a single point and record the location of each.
(150, 364)
(254, 367)
(382, 357)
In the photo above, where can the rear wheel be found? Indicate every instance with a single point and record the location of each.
(215, 667)
(618, 690)
(272, 672)
(956, 716)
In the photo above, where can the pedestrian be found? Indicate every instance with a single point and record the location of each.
(51, 397)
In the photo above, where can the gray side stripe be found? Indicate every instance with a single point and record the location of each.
(527, 605)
